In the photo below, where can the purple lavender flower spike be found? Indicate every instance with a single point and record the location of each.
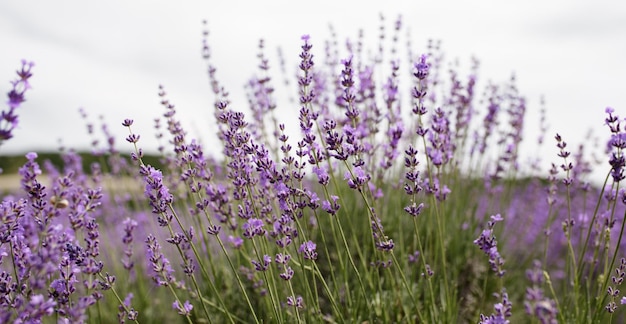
(162, 272)
(253, 227)
(287, 274)
(157, 193)
(488, 244)
(262, 265)
(308, 250)
(502, 311)
(8, 118)
(297, 301)
(535, 303)
(184, 309)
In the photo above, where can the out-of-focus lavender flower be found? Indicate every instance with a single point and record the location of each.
(127, 239)
(331, 207)
(441, 147)
(535, 303)
(8, 118)
(126, 311)
(282, 258)
(391, 149)
(357, 178)
(36, 308)
(235, 241)
(433, 188)
(502, 311)
(162, 272)
(488, 244)
(308, 250)
(414, 257)
(184, 309)
(297, 301)
(322, 174)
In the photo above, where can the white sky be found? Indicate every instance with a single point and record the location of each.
(110, 56)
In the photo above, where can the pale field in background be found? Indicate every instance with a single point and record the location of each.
(11, 182)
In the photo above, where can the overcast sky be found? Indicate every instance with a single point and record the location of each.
(110, 56)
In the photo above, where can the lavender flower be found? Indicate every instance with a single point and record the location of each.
(126, 311)
(295, 301)
(162, 272)
(184, 309)
(287, 274)
(253, 227)
(612, 291)
(157, 193)
(9, 118)
(308, 250)
(127, 239)
(357, 178)
(36, 308)
(488, 244)
(235, 241)
(262, 265)
(331, 207)
(616, 143)
(502, 311)
(535, 303)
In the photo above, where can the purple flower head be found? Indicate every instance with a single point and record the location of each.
(37, 308)
(308, 250)
(184, 309)
(128, 299)
(296, 302)
(357, 178)
(617, 141)
(282, 258)
(502, 312)
(236, 242)
(287, 274)
(262, 265)
(162, 272)
(542, 308)
(331, 207)
(157, 193)
(385, 245)
(421, 68)
(414, 257)
(8, 118)
(253, 227)
(322, 174)
(488, 244)
(414, 209)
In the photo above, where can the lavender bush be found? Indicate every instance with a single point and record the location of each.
(399, 196)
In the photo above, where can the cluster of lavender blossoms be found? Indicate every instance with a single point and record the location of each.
(378, 205)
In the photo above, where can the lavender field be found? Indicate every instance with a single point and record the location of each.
(400, 195)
